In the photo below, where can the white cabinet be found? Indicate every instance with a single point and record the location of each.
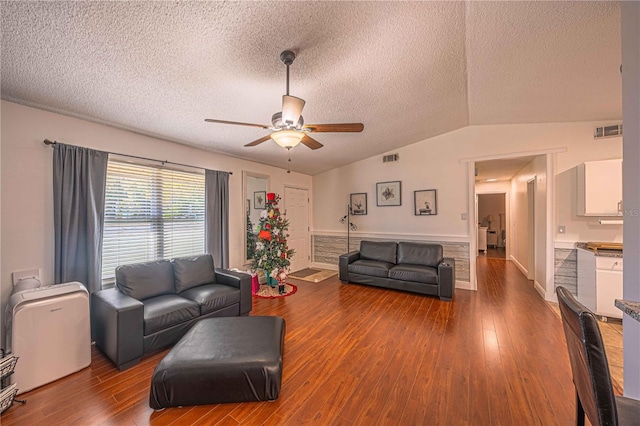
(608, 286)
(599, 283)
(482, 238)
(599, 188)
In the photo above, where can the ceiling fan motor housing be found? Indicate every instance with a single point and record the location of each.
(276, 120)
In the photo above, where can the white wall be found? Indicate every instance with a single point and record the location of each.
(520, 221)
(26, 178)
(491, 205)
(439, 163)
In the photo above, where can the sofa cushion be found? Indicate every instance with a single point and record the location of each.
(193, 271)
(167, 310)
(370, 267)
(145, 280)
(415, 273)
(212, 297)
(419, 254)
(383, 251)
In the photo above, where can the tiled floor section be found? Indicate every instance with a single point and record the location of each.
(612, 335)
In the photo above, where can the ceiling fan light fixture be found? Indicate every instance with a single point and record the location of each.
(287, 138)
(291, 109)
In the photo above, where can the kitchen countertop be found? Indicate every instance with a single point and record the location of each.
(600, 252)
(630, 308)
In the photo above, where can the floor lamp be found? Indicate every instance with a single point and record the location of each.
(351, 226)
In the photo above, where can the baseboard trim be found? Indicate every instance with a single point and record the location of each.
(539, 289)
(328, 266)
(464, 285)
(519, 266)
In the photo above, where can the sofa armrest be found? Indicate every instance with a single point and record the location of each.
(238, 280)
(119, 326)
(446, 278)
(343, 264)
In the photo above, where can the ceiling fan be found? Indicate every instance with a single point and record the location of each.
(288, 128)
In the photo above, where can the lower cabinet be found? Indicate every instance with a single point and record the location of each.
(600, 283)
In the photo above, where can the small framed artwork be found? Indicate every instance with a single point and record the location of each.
(389, 193)
(248, 207)
(425, 202)
(358, 202)
(259, 200)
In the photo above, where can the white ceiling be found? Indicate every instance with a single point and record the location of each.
(407, 70)
(501, 169)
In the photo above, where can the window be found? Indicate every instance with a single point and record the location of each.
(151, 213)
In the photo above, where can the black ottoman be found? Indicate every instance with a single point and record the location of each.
(233, 359)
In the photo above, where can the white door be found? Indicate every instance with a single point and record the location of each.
(296, 202)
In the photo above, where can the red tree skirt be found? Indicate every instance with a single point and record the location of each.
(267, 292)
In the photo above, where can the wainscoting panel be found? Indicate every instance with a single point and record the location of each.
(327, 248)
(566, 269)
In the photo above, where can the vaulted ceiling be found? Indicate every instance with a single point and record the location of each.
(407, 70)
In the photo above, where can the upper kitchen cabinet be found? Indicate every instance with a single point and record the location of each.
(599, 188)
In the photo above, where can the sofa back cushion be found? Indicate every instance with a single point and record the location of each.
(145, 280)
(420, 254)
(384, 251)
(193, 271)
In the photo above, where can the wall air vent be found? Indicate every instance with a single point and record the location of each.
(607, 131)
(390, 157)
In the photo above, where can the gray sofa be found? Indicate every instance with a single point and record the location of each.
(416, 267)
(155, 303)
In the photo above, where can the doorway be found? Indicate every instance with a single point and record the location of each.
(492, 229)
(296, 210)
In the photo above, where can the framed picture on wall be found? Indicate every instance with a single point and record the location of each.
(358, 203)
(425, 202)
(389, 193)
(259, 200)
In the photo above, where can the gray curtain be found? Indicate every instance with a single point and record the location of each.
(79, 182)
(217, 217)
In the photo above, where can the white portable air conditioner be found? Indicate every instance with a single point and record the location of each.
(48, 330)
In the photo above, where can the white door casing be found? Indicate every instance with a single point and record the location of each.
(296, 203)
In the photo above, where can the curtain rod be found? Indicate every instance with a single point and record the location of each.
(52, 143)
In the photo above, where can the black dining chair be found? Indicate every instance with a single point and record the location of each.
(591, 378)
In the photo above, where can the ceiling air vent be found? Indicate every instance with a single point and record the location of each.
(390, 157)
(607, 131)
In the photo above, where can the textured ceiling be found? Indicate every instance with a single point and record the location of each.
(407, 70)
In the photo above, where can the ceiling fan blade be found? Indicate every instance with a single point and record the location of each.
(311, 142)
(291, 109)
(259, 141)
(211, 120)
(343, 127)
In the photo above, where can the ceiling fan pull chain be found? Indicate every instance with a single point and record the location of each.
(289, 162)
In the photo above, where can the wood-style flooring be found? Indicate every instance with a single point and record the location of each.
(365, 355)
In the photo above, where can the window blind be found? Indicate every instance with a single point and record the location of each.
(151, 213)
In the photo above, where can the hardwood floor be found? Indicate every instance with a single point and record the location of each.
(365, 355)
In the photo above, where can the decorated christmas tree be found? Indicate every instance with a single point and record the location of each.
(272, 253)
(251, 238)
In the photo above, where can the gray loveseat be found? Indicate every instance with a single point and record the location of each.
(155, 303)
(416, 267)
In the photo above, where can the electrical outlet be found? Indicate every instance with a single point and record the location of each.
(463, 216)
(562, 229)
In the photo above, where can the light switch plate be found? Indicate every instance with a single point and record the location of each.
(463, 216)
(562, 229)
